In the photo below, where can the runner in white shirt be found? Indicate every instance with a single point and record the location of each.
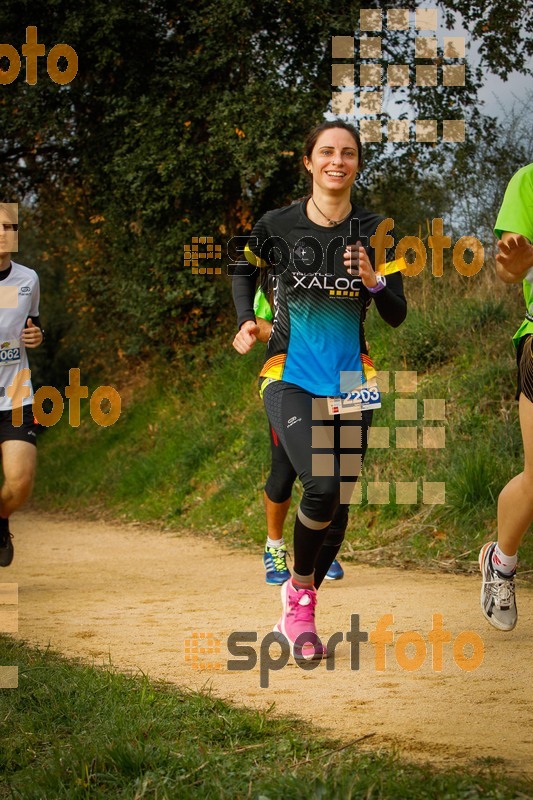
(19, 329)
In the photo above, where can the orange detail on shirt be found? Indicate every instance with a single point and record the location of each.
(273, 368)
(368, 367)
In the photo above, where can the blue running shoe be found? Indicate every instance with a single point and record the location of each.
(275, 561)
(335, 572)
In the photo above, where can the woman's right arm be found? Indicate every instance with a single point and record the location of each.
(246, 337)
(244, 280)
(245, 272)
(243, 287)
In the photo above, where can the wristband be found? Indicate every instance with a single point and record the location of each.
(381, 283)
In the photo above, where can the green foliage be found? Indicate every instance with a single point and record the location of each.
(188, 120)
(500, 31)
(476, 480)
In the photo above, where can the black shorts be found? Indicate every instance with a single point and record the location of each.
(27, 432)
(325, 451)
(524, 360)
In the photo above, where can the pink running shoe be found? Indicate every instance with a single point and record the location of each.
(297, 623)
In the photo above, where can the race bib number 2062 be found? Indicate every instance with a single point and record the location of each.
(9, 353)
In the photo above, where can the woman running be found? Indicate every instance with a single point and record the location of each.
(321, 253)
(278, 488)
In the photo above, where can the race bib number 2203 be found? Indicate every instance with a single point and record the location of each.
(365, 398)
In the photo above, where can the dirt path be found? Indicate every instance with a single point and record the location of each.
(137, 597)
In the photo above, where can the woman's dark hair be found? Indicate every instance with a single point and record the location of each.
(313, 135)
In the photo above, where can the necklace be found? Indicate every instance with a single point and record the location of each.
(331, 221)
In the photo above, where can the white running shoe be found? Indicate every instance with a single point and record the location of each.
(497, 592)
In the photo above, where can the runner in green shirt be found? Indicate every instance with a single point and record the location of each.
(514, 264)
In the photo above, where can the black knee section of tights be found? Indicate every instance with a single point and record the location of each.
(279, 484)
(321, 499)
(337, 529)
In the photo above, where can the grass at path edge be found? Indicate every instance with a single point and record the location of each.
(74, 732)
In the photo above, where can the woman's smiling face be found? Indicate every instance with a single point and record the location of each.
(334, 161)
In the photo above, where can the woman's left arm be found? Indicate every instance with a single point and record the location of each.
(391, 302)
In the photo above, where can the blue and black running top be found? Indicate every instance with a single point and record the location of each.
(319, 307)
